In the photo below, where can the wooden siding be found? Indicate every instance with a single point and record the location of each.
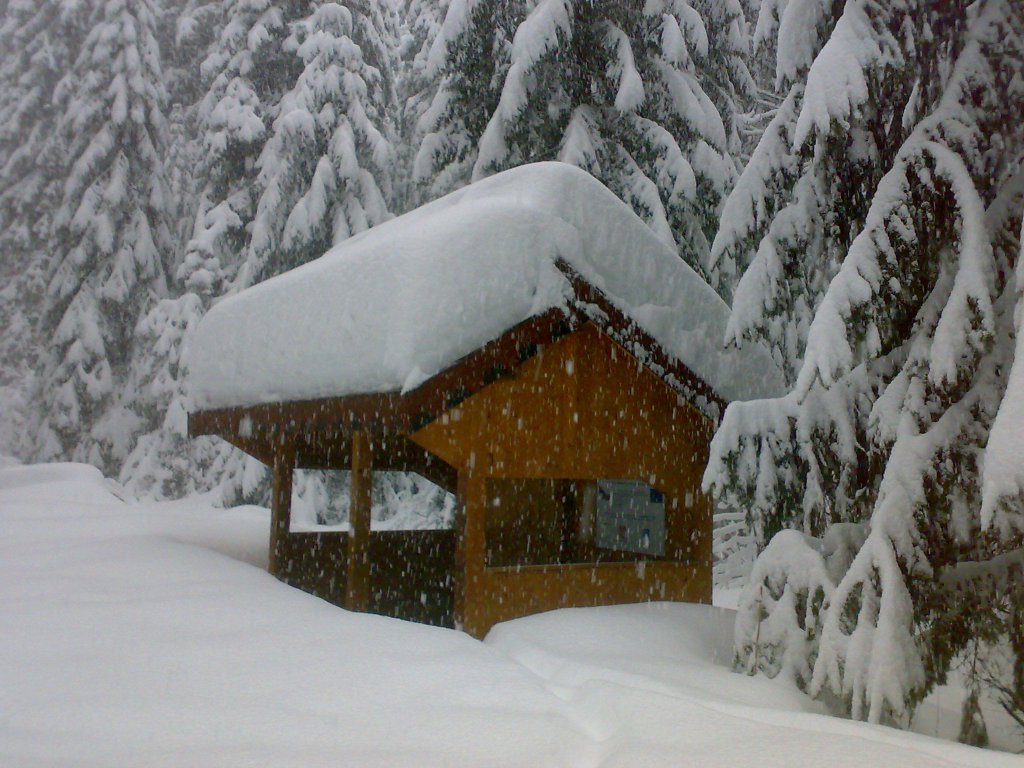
(520, 591)
(581, 409)
(360, 492)
(410, 572)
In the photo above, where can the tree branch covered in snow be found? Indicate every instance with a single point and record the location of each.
(110, 234)
(644, 98)
(904, 152)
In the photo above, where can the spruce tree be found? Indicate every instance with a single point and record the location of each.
(297, 159)
(231, 59)
(622, 91)
(894, 171)
(109, 234)
(248, 72)
(467, 62)
(416, 84)
(39, 40)
(217, 133)
(325, 171)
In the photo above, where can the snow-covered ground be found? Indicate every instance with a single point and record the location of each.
(149, 635)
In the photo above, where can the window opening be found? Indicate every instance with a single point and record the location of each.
(539, 521)
(400, 501)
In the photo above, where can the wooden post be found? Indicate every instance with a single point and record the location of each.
(470, 553)
(280, 508)
(459, 575)
(357, 585)
(569, 495)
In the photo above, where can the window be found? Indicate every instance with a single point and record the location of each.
(319, 499)
(401, 501)
(538, 521)
(630, 517)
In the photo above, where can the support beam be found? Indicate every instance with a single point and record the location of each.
(459, 576)
(280, 508)
(357, 585)
(470, 554)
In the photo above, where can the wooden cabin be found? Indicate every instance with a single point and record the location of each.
(574, 441)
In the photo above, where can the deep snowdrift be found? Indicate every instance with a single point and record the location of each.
(149, 635)
(388, 308)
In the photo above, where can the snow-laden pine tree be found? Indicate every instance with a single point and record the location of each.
(299, 156)
(325, 171)
(416, 84)
(109, 235)
(39, 40)
(230, 72)
(792, 211)
(466, 63)
(911, 108)
(164, 463)
(248, 72)
(236, 48)
(622, 90)
(728, 76)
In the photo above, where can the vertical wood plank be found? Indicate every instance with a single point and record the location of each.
(568, 494)
(280, 508)
(472, 554)
(585, 409)
(459, 576)
(357, 584)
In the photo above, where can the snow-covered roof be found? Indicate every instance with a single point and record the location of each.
(389, 308)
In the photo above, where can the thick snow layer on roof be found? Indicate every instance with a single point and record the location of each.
(387, 309)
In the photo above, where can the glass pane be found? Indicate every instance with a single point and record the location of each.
(320, 498)
(524, 521)
(535, 521)
(401, 501)
(630, 517)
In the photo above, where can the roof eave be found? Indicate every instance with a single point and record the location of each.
(256, 429)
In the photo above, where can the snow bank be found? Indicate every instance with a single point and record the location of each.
(60, 481)
(395, 305)
(651, 684)
(150, 635)
(15, 476)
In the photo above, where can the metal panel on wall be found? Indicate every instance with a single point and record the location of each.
(630, 517)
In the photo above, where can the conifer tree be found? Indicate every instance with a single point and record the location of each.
(467, 61)
(218, 132)
(248, 72)
(903, 187)
(298, 158)
(619, 90)
(416, 84)
(110, 235)
(324, 173)
(39, 40)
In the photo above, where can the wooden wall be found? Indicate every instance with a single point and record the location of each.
(524, 520)
(315, 563)
(582, 409)
(410, 572)
(411, 576)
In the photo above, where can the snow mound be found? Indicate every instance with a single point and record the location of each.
(18, 476)
(149, 635)
(391, 307)
(60, 482)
